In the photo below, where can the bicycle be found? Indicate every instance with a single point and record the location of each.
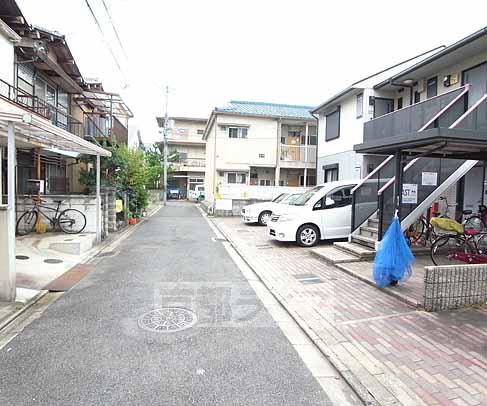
(477, 221)
(70, 221)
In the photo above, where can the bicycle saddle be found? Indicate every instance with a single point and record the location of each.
(467, 212)
(58, 201)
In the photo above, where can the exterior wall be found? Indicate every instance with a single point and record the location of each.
(7, 58)
(350, 165)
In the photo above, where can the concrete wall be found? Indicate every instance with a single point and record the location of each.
(7, 60)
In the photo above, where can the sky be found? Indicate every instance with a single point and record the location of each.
(210, 52)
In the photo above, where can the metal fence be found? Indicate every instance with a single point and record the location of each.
(452, 287)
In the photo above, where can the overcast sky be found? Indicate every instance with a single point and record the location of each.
(209, 52)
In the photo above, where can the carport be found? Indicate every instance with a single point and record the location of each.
(30, 131)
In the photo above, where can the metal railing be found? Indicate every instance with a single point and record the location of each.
(411, 118)
(298, 153)
(57, 116)
(195, 162)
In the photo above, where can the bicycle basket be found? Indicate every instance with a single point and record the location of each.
(445, 225)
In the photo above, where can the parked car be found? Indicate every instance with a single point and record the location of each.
(322, 213)
(198, 193)
(261, 212)
(174, 193)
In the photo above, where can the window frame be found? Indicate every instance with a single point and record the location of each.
(400, 103)
(237, 175)
(331, 168)
(334, 137)
(240, 132)
(428, 81)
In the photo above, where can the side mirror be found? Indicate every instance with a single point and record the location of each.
(329, 201)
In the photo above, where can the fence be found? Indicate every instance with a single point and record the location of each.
(300, 153)
(451, 287)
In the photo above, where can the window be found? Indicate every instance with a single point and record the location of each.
(264, 182)
(332, 130)
(237, 132)
(310, 180)
(331, 173)
(360, 105)
(183, 156)
(261, 155)
(338, 198)
(399, 103)
(236, 178)
(311, 140)
(432, 87)
(417, 97)
(200, 132)
(283, 139)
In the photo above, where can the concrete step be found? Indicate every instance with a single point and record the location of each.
(334, 255)
(366, 241)
(371, 232)
(373, 222)
(358, 250)
(76, 244)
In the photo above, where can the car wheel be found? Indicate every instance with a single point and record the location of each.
(307, 235)
(264, 217)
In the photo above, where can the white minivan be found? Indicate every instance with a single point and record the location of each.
(322, 213)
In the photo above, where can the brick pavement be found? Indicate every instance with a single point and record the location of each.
(391, 353)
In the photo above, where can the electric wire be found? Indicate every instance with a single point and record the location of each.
(107, 10)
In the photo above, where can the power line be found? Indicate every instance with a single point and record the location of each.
(105, 41)
(114, 29)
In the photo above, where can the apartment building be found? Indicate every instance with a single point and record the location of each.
(44, 79)
(185, 142)
(341, 121)
(433, 140)
(259, 144)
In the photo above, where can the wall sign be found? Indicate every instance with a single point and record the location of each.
(429, 178)
(410, 193)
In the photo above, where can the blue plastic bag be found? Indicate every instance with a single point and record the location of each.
(394, 259)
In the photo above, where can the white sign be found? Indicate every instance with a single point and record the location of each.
(429, 178)
(410, 193)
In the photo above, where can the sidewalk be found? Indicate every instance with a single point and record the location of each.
(391, 353)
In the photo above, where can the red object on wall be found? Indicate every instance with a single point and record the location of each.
(133, 221)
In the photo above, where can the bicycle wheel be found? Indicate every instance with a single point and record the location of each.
(481, 242)
(450, 250)
(26, 223)
(474, 223)
(416, 231)
(72, 221)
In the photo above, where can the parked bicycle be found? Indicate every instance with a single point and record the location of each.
(70, 221)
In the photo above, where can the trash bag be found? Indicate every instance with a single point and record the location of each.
(393, 260)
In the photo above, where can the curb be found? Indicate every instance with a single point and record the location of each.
(348, 376)
(9, 319)
(342, 267)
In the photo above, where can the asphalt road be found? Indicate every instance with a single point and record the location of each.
(88, 348)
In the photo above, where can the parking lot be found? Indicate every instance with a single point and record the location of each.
(394, 350)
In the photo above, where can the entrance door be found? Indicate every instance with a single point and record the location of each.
(383, 106)
(477, 77)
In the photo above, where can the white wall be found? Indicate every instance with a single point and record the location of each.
(6, 60)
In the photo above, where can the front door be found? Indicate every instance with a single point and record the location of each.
(383, 106)
(477, 77)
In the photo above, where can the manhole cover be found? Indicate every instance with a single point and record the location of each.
(53, 261)
(168, 320)
(21, 257)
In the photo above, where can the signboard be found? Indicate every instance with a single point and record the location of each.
(429, 178)
(410, 193)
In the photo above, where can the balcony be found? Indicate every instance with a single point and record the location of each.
(190, 164)
(297, 156)
(56, 116)
(417, 117)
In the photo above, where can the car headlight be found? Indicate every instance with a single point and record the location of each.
(287, 217)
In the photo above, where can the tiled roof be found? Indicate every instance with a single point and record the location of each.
(266, 109)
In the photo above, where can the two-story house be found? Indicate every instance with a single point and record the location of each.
(185, 141)
(259, 144)
(433, 142)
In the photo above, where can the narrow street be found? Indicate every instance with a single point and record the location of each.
(92, 345)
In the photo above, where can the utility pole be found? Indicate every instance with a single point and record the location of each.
(166, 124)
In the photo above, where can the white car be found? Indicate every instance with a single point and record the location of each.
(261, 212)
(198, 193)
(322, 213)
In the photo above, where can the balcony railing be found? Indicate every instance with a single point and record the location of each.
(36, 105)
(298, 153)
(193, 162)
(411, 118)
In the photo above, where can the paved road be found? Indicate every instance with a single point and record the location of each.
(88, 347)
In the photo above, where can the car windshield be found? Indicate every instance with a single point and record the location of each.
(279, 198)
(292, 199)
(304, 198)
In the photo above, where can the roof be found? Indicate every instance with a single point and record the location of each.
(442, 53)
(160, 120)
(251, 108)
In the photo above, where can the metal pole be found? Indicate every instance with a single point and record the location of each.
(398, 183)
(98, 201)
(166, 118)
(1, 175)
(305, 154)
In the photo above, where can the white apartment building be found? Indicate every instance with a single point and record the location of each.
(259, 145)
(185, 140)
(341, 122)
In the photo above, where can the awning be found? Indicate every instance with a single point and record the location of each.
(34, 131)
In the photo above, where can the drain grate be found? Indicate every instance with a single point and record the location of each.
(215, 239)
(168, 320)
(53, 261)
(308, 278)
(23, 257)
